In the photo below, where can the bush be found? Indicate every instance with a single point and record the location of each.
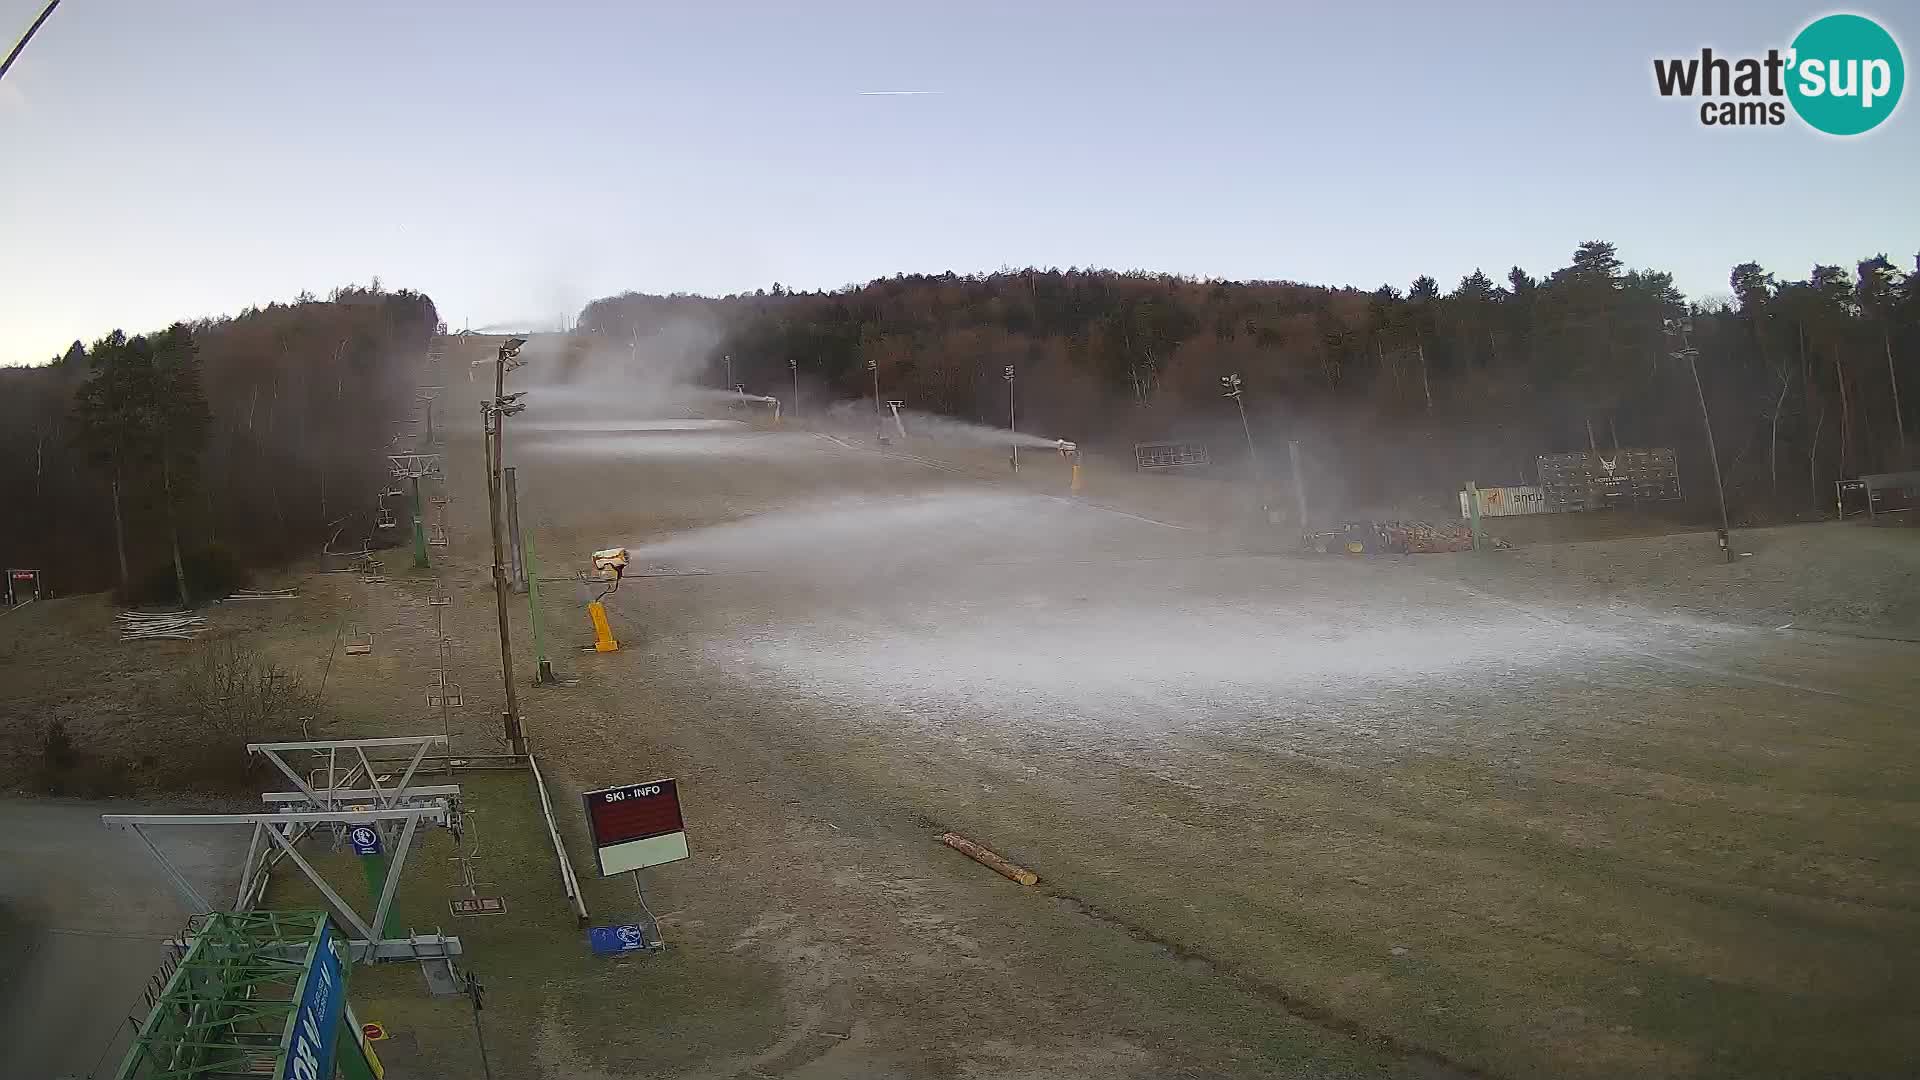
(57, 751)
(233, 694)
(65, 770)
(212, 573)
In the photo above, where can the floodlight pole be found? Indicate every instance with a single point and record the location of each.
(1690, 354)
(1013, 433)
(795, 365)
(879, 430)
(496, 411)
(1233, 388)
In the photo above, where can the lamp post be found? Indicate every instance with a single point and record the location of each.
(879, 431)
(1012, 431)
(793, 363)
(494, 414)
(1679, 329)
(1231, 384)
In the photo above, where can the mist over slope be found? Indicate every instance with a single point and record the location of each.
(1397, 392)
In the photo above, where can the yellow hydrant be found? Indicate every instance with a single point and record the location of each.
(602, 633)
(609, 566)
(1071, 451)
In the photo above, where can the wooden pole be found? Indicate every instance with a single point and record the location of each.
(516, 740)
(1713, 454)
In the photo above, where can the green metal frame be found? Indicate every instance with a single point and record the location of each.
(227, 1010)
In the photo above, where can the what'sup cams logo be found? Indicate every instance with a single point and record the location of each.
(1842, 75)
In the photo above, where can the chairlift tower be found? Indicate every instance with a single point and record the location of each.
(411, 468)
(234, 1002)
(424, 396)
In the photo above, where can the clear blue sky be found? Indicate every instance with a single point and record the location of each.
(178, 159)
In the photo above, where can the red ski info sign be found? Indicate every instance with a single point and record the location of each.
(636, 826)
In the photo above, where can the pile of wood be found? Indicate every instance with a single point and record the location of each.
(265, 594)
(148, 625)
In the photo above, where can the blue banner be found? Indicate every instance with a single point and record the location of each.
(316, 1023)
(365, 840)
(609, 940)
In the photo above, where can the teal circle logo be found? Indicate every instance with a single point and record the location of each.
(1846, 76)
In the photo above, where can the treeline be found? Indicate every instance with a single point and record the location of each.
(242, 438)
(1399, 391)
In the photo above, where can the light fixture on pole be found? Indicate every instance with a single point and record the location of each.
(1678, 330)
(879, 430)
(1014, 455)
(1231, 384)
(493, 416)
(794, 364)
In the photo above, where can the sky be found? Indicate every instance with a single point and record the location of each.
(174, 160)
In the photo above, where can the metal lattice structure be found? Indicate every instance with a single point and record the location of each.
(227, 1010)
(403, 466)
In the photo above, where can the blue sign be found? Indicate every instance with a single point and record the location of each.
(317, 1021)
(365, 839)
(612, 940)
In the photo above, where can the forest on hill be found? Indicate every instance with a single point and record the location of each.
(244, 437)
(1404, 391)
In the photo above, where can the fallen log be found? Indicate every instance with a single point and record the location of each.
(1010, 871)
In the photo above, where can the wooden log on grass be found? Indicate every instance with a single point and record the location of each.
(1010, 871)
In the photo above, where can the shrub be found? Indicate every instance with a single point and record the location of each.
(64, 769)
(57, 751)
(232, 694)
